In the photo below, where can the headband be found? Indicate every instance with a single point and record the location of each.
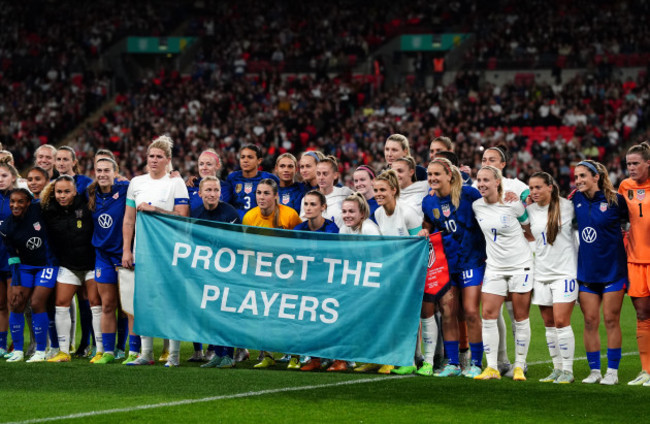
(590, 166)
(443, 163)
(314, 155)
(368, 170)
(503, 155)
(212, 155)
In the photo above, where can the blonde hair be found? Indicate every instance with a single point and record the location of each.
(642, 150)
(498, 176)
(209, 178)
(289, 156)
(390, 177)
(402, 140)
(364, 208)
(5, 163)
(456, 179)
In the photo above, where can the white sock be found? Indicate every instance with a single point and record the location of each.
(96, 311)
(429, 338)
(63, 323)
(553, 348)
(502, 354)
(511, 314)
(147, 347)
(73, 321)
(174, 348)
(491, 342)
(567, 344)
(440, 345)
(522, 341)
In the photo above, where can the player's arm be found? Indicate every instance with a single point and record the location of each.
(128, 230)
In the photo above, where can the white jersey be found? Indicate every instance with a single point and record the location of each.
(413, 195)
(403, 220)
(163, 193)
(506, 247)
(368, 228)
(334, 201)
(559, 260)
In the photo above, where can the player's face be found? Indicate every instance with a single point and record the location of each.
(64, 192)
(312, 206)
(64, 162)
(265, 197)
(210, 192)
(36, 182)
(248, 160)
(493, 158)
(351, 214)
(437, 178)
(435, 148)
(487, 183)
(404, 173)
(286, 170)
(393, 150)
(307, 168)
(384, 193)
(6, 179)
(208, 166)
(325, 175)
(637, 167)
(540, 192)
(157, 161)
(104, 174)
(18, 203)
(586, 182)
(45, 159)
(363, 184)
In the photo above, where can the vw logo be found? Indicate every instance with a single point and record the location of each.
(34, 243)
(105, 220)
(589, 235)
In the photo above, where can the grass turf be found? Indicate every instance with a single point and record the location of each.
(44, 390)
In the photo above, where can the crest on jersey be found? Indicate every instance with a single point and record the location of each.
(640, 194)
(238, 188)
(248, 188)
(98, 272)
(603, 206)
(79, 213)
(446, 210)
(436, 213)
(505, 220)
(630, 194)
(37, 226)
(116, 196)
(286, 198)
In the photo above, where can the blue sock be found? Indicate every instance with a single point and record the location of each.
(594, 360)
(17, 326)
(134, 343)
(108, 340)
(229, 351)
(477, 354)
(451, 348)
(40, 322)
(86, 319)
(54, 336)
(122, 332)
(613, 358)
(3, 340)
(197, 346)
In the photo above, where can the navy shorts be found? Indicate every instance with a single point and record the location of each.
(106, 267)
(601, 288)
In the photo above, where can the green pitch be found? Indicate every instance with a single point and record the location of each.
(82, 392)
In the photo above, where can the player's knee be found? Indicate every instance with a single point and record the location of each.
(109, 306)
(591, 323)
(612, 322)
(17, 303)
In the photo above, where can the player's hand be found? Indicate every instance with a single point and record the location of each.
(423, 233)
(466, 169)
(191, 180)
(127, 259)
(510, 197)
(146, 207)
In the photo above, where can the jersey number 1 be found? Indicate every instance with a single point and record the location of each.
(640, 210)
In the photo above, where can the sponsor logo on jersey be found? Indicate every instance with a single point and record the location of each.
(603, 206)
(630, 194)
(446, 210)
(286, 198)
(37, 226)
(640, 194)
(34, 243)
(436, 213)
(238, 188)
(105, 220)
(589, 234)
(248, 188)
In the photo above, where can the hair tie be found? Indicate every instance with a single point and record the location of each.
(212, 155)
(501, 153)
(590, 166)
(367, 169)
(314, 155)
(446, 166)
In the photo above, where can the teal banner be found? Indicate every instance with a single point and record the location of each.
(354, 298)
(431, 42)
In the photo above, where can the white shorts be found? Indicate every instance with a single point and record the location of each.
(75, 278)
(501, 284)
(126, 283)
(558, 291)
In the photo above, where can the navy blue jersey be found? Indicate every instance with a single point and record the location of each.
(195, 199)
(243, 190)
(5, 213)
(467, 179)
(373, 206)
(462, 237)
(420, 173)
(601, 255)
(82, 182)
(26, 238)
(224, 212)
(327, 227)
(307, 187)
(108, 217)
(292, 196)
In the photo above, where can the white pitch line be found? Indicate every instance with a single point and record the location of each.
(207, 399)
(241, 395)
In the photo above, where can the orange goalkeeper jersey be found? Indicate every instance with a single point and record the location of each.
(637, 197)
